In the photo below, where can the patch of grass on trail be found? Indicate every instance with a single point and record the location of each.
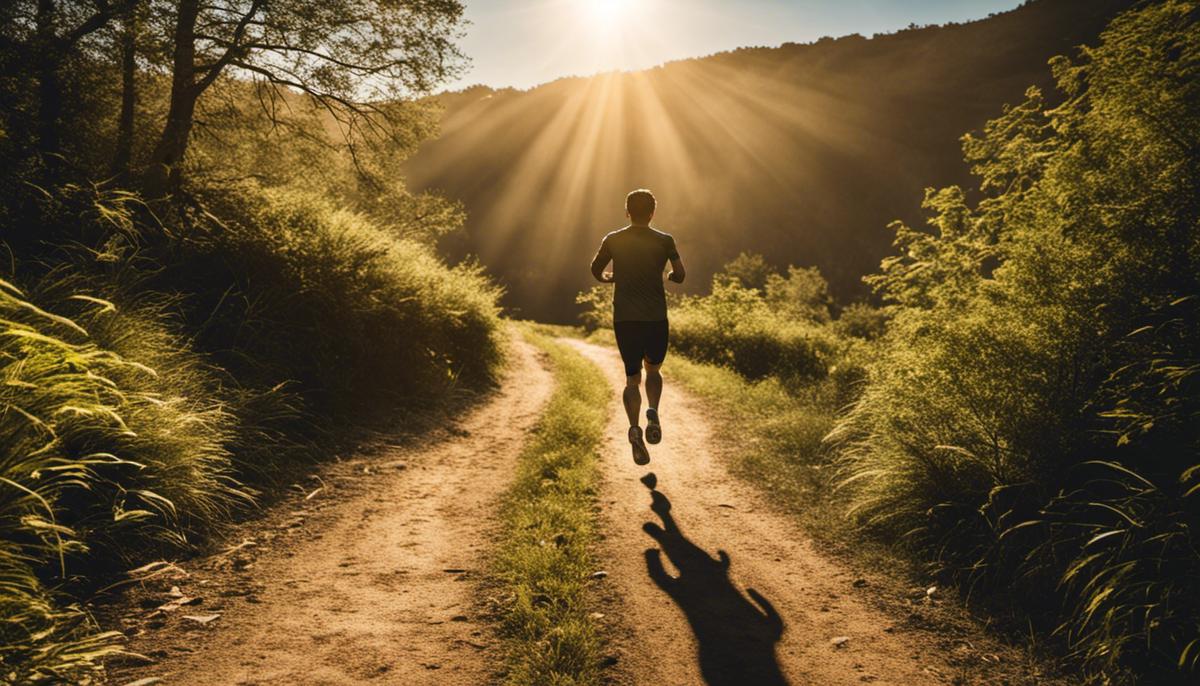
(545, 560)
(553, 330)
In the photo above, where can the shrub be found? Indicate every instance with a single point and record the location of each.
(803, 294)
(860, 320)
(782, 330)
(734, 327)
(122, 439)
(293, 289)
(1031, 426)
(597, 307)
(748, 270)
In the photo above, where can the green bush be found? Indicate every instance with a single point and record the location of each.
(734, 327)
(292, 289)
(781, 330)
(1031, 425)
(802, 294)
(597, 307)
(860, 320)
(748, 270)
(123, 440)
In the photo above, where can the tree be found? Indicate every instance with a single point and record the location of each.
(354, 59)
(803, 293)
(748, 270)
(1031, 422)
(123, 154)
(37, 37)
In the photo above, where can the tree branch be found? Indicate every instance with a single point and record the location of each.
(104, 13)
(230, 52)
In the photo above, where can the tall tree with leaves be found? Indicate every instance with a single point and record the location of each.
(38, 37)
(355, 59)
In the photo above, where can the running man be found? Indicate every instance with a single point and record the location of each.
(638, 254)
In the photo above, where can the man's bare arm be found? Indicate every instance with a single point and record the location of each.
(599, 262)
(677, 270)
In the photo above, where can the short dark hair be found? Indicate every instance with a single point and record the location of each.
(640, 204)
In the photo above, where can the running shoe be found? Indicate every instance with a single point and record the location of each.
(640, 455)
(653, 428)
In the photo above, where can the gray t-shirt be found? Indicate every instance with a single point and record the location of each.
(639, 254)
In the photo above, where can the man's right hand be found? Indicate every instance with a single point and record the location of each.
(607, 277)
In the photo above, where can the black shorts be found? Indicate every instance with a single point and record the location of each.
(641, 340)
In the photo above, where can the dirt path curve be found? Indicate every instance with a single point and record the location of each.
(762, 612)
(379, 597)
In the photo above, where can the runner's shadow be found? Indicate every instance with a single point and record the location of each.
(736, 635)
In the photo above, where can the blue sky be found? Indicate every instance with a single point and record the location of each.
(523, 43)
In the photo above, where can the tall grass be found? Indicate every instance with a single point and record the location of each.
(101, 455)
(545, 560)
(289, 288)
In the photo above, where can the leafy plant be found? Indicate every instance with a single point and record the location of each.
(1031, 426)
(101, 455)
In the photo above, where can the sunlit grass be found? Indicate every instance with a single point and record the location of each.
(100, 455)
(545, 560)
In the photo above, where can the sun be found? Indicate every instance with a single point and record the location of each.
(606, 12)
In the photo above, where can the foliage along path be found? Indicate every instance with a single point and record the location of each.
(381, 590)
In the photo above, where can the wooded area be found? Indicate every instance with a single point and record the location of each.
(208, 256)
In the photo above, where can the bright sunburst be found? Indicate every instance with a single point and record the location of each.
(606, 12)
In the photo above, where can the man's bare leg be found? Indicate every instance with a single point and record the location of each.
(633, 398)
(633, 409)
(653, 384)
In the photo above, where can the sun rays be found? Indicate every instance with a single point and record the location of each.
(606, 12)
(549, 167)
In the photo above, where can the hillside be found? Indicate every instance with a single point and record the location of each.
(801, 152)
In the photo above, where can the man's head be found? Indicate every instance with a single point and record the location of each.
(639, 205)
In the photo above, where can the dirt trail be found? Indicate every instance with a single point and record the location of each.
(697, 621)
(378, 595)
(707, 584)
